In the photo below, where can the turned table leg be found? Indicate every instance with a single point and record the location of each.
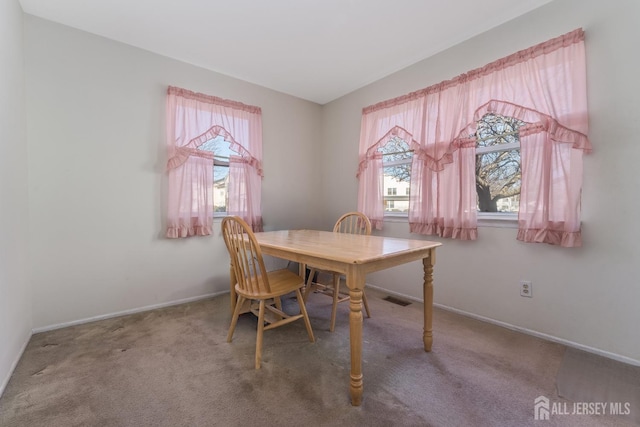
(355, 283)
(428, 264)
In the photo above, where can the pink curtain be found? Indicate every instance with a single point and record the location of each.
(192, 120)
(544, 86)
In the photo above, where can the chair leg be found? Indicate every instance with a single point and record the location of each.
(305, 315)
(259, 334)
(336, 294)
(278, 302)
(366, 304)
(234, 318)
(307, 289)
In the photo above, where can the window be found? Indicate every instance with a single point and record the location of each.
(498, 170)
(221, 150)
(544, 88)
(396, 162)
(195, 119)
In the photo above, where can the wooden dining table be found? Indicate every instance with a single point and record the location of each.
(354, 256)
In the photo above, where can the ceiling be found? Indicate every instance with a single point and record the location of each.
(317, 50)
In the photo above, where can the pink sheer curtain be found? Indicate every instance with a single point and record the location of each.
(377, 128)
(192, 120)
(544, 86)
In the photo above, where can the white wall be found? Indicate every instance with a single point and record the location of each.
(96, 124)
(588, 296)
(15, 292)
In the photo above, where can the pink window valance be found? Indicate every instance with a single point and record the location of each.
(192, 120)
(544, 86)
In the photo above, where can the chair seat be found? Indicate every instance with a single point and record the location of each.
(281, 283)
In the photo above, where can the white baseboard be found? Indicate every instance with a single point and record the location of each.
(5, 381)
(597, 351)
(126, 312)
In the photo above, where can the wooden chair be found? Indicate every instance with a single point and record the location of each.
(354, 223)
(255, 283)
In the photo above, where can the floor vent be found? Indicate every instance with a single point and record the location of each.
(397, 301)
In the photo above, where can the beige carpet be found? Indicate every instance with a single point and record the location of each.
(585, 377)
(173, 367)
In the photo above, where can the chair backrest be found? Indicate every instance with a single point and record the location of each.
(353, 223)
(246, 256)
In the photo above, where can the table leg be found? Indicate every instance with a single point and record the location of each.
(428, 264)
(355, 283)
(302, 270)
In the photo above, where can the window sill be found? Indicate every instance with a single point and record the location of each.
(498, 220)
(484, 219)
(397, 217)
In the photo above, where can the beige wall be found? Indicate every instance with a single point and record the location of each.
(15, 292)
(97, 183)
(588, 297)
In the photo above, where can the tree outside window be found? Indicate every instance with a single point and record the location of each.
(498, 171)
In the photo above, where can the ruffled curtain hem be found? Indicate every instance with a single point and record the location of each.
(184, 231)
(376, 223)
(181, 154)
(538, 122)
(565, 239)
(256, 225)
(209, 99)
(254, 222)
(435, 229)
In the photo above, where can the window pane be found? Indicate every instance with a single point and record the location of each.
(396, 188)
(494, 129)
(220, 186)
(498, 175)
(395, 149)
(221, 149)
(397, 174)
(498, 180)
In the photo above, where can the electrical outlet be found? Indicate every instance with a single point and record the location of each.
(526, 289)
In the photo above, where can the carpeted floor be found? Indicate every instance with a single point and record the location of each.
(173, 367)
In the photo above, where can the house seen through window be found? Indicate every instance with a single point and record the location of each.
(222, 151)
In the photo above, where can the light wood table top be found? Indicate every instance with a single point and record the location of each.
(343, 248)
